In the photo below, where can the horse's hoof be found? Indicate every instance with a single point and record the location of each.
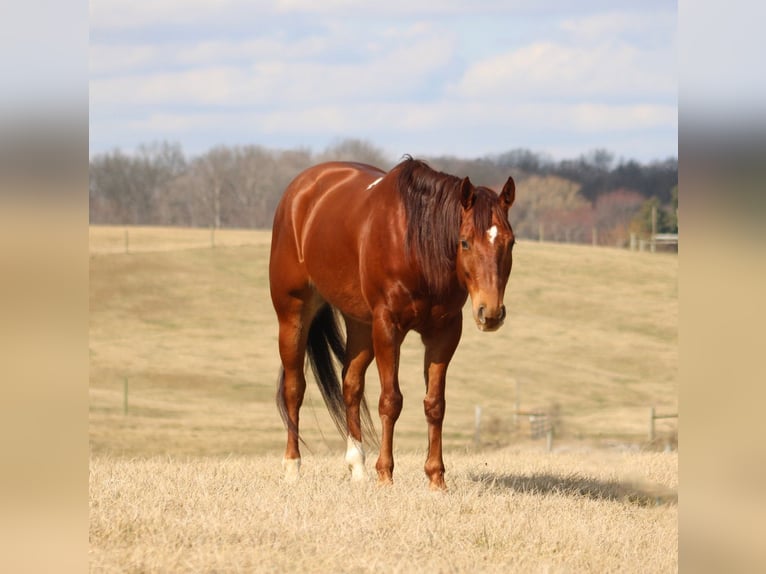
(385, 479)
(292, 469)
(358, 474)
(437, 486)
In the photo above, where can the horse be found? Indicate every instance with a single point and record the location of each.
(385, 253)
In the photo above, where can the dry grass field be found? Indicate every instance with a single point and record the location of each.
(506, 511)
(189, 478)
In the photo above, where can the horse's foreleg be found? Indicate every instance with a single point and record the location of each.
(359, 355)
(440, 347)
(386, 342)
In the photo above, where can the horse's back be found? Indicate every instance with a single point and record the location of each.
(311, 185)
(324, 177)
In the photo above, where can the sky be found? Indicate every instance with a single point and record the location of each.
(426, 78)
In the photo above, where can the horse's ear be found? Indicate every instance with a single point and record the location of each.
(467, 194)
(508, 194)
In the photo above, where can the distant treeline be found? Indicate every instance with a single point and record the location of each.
(241, 186)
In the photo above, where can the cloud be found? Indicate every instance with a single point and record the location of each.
(122, 59)
(210, 85)
(603, 56)
(265, 74)
(308, 73)
(108, 59)
(432, 128)
(637, 117)
(412, 119)
(132, 14)
(641, 28)
(127, 14)
(135, 14)
(552, 71)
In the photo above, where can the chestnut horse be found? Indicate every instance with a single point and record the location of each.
(389, 253)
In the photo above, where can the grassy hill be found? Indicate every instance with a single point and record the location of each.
(592, 332)
(189, 479)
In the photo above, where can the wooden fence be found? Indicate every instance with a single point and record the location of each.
(542, 424)
(653, 416)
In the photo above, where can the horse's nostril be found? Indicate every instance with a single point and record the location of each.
(480, 315)
(502, 312)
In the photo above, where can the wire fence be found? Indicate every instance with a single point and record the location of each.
(108, 239)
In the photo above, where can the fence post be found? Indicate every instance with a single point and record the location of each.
(125, 397)
(477, 426)
(651, 424)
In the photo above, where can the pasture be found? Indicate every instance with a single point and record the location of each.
(188, 479)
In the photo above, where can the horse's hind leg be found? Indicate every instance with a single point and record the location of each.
(359, 355)
(295, 315)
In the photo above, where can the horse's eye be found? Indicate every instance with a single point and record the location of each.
(464, 244)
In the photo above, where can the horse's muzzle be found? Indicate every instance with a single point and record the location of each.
(487, 321)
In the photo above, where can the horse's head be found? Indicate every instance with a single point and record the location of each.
(485, 250)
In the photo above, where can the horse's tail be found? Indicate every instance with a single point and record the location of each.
(326, 349)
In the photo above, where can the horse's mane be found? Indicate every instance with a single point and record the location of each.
(432, 204)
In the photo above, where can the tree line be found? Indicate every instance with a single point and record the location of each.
(240, 186)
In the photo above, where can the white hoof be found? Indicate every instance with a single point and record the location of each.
(355, 459)
(358, 474)
(292, 469)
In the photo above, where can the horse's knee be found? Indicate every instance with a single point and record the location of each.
(434, 409)
(390, 405)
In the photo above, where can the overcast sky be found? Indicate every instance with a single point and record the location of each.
(420, 77)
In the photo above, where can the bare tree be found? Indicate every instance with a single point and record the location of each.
(215, 174)
(548, 201)
(241, 186)
(356, 150)
(127, 188)
(482, 171)
(614, 212)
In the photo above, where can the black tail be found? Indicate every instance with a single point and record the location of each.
(326, 350)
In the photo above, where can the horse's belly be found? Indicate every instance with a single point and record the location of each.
(334, 272)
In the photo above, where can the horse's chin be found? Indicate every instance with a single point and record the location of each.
(489, 326)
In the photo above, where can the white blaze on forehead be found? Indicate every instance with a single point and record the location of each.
(492, 232)
(374, 183)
